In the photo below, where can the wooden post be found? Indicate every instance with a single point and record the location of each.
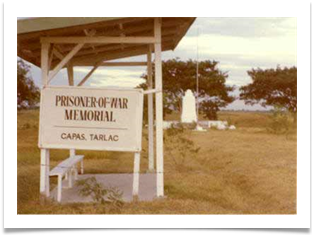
(71, 83)
(44, 153)
(136, 174)
(150, 112)
(44, 63)
(44, 172)
(159, 110)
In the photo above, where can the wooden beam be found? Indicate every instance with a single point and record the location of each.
(138, 31)
(121, 35)
(114, 64)
(65, 60)
(151, 91)
(102, 51)
(105, 57)
(99, 49)
(115, 54)
(99, 39)
(110, 55)
(159, 110)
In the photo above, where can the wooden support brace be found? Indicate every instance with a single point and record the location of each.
(57, 52)
(113, 64)
(65, 60)
(89, 74)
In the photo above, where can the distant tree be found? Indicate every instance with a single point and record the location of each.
(273, 87)
(27, 92)
(178, 76)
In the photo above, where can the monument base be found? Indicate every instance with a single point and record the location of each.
(199, 128)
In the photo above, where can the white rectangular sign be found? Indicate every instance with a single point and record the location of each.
(91, 118)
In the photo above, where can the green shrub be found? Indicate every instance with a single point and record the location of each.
(98, 192)
(178, 146)
(282, 122)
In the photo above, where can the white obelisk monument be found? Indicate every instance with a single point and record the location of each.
(188, 108)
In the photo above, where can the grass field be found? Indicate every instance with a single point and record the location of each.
(244, 171)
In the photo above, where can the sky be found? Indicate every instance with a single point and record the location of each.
(239, 44)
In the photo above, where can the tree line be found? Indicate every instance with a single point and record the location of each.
(269, 87)
(27, 92)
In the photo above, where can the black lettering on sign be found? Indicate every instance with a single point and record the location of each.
(89, 115)
(87, 102)
(91, 102)
(102, 137)
(73, 136)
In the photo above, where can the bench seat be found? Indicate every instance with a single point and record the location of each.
(66, 165)
(66, 168)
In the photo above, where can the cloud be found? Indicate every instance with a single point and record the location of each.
(245, 26)
(248, 47)
(240, 44)
(110, 77)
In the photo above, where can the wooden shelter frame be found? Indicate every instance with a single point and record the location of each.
(64, 42)
(49, 49)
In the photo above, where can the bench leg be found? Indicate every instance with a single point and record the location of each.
(75, 172)
(66, 176)
(59, 188)
(136, 174)
(82, 167)
(70, 178)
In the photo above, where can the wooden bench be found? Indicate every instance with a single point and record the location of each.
(67, 168)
